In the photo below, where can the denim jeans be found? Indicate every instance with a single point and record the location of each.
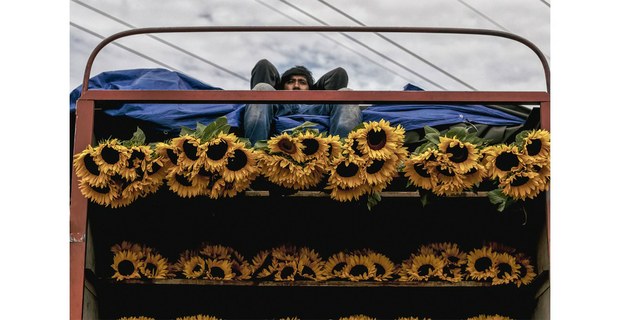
(258, 117)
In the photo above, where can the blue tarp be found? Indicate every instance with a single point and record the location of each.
(170, 117)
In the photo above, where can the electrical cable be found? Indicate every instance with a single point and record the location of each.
(215, 65)
(367, 47)
(400, 46)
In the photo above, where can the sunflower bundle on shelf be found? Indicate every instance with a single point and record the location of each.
(298, 160)
(117, 172)
(208, 161)
(212, 262)
(288, 263)
(500, 265)
(520, 169)
(135, 261)
(448, 164)
(370, 159)
(198, 317)
(489, 317)
(360, 265)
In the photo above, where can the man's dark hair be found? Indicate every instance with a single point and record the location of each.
(296, 71)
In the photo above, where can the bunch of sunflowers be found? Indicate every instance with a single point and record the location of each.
(288, 263)
(208, 161)
(117, 172)
(521, 169)
(351, 317)
(360, 265)
(194, 317)
(213, 262)
(445, 261)
(135, 261)
(370, 159)
(298, 160)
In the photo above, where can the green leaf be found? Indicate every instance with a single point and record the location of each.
(424, 198)
(305, 125)
(261, 145)
(428, 130)
(373, 199)
(186, 130)
(501, 200)
(214, 128)
(458, 132)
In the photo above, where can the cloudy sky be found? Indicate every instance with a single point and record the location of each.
(386, 62)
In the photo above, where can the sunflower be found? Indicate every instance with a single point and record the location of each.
(127, 245)
(155, 267)
(183, 259)
(451, 273)
(111, 156)
(507, 269)
(289, 318)
(419, 169)
(474, 176)
(287, 145)
(453, 255)
(139, 158)
(379, 140)
(286, 271)
(127, 198)
(310, 254)
(126, 265)
(334, 146)
(218, 269)
(314, 147)
(537, 145)
(189, 150)
(262, 264)
(384, 267)
(103, 195)
(449, 181)
(198, 317)
(217, 251)
(241, 166)
(218, 150)
(136, 318)
(502, 159)
(194, 268)
(86, 169)
(241, 270)
(344, 194)
(411, 318)
(168, 153)
(424, 267)
(180, 182)
(500, 247)
(347, 172)
(335, 265)
(357, 317)
(380, 172)
(359, 267)
(522, 184)
(462, 156)
(482, 263)
(525, 273)
(311, 269)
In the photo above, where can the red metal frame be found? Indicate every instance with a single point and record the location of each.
(86, 106)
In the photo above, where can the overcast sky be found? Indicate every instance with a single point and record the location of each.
(433, 62)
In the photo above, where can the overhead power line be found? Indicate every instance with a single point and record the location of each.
(215, 65)
(124, 47)
(400, 46)
(336, 42)
(545, 2)
(367, 47)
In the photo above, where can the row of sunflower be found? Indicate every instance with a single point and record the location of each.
(352, 317)
(493, 262)
(209, 161)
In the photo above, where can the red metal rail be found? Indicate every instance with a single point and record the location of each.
(89, 98)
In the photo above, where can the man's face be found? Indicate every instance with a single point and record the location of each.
(296, 83)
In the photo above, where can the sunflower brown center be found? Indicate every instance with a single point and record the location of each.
(521, 272)
(311, 146)
(197, 269)
(238, 161)
(126, 268)
(103, 190)
(421, 170)
(151, 268)
(307, 271)
(182, 180)
(376, 139)
(90, 165)
(534, 147)
(447, 271)
(375, 166)
(519, 181)
(287, 146)
(483, 264)
(217, 151)
(380, 269)
(110, 155)
(172, 156)
(358, 270)
(425, 269)
(347, 171)
(339, 266)
(506, 161)
(459, 154)
(453, 259)
(355, 148)
(190, 150)
(504, 270)
(217, 272)
(287, 272)
(155, 167)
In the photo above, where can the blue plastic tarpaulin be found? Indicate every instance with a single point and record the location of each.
(171, 117)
